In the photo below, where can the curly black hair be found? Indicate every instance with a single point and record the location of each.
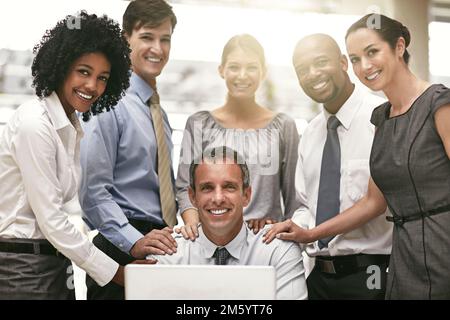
(73, 37)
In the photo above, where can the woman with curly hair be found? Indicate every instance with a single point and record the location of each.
(83, 69)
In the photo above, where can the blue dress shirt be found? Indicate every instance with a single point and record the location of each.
(119, 167)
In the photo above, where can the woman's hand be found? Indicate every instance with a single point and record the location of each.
(287, 230)
(189, 231)
(190, 228)
(258, 224)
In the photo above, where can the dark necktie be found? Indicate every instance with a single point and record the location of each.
(330, 178)
(166, 192)
(221, 255)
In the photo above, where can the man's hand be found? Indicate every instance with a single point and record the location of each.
(119, 276)
(287, 230)
(258, 224)
(154, 242)
(189, 231)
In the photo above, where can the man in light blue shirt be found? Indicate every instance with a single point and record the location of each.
(120, 188)
(220, 189)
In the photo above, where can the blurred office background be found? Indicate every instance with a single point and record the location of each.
(190, 81)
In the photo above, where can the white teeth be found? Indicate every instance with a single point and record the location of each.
(84, 96)
(153, 59)
(242, 86)
(373, 75)
(218, 212)
(320, 85)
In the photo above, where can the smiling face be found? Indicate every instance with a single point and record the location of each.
(374, 62)
(85, 81)
(220, 199)
(242, 72)
(150, 49)
(321, 69)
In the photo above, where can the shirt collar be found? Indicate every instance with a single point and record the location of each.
(234, 247)
(348, 110)
(56, 111)
(140, 87)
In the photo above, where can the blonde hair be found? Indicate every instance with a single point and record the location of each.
(245, 42)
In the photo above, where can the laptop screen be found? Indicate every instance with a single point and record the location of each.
(199, 282)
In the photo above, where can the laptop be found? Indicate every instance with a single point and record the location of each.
(199, 282)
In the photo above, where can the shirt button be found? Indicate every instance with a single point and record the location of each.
(121, 245)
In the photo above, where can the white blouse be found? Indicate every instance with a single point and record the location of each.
(39, 175)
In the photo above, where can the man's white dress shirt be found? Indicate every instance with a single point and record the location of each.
(39, 174)
(248, 249)
(355, 137)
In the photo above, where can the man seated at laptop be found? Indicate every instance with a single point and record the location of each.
(220, 189)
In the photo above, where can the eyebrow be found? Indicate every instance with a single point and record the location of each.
(148, 33)
(368, 47)
(300, 65)
(90, 68)
(230, 182)
(365, 50)
(227, 182)
(85, 65)
(238, 62)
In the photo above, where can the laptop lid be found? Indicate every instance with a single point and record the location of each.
(199, 282)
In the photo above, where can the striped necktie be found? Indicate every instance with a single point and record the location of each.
(166, 191)
(221, 255)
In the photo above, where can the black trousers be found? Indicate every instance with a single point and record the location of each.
(112, 291)
(361, 284)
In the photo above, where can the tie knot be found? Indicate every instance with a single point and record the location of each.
(221, 255)
(155, 98)
(333, 123)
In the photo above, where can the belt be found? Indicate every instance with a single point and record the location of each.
(399, 221)
(30, 248)
(350, 263)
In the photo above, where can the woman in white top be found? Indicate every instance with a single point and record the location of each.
(82, 67)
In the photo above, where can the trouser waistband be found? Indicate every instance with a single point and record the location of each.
(29, 246)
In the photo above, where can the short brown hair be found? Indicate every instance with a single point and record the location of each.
(219, 154)
(147, 13)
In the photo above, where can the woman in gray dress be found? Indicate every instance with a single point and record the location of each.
(269, 140)
(409, 164)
